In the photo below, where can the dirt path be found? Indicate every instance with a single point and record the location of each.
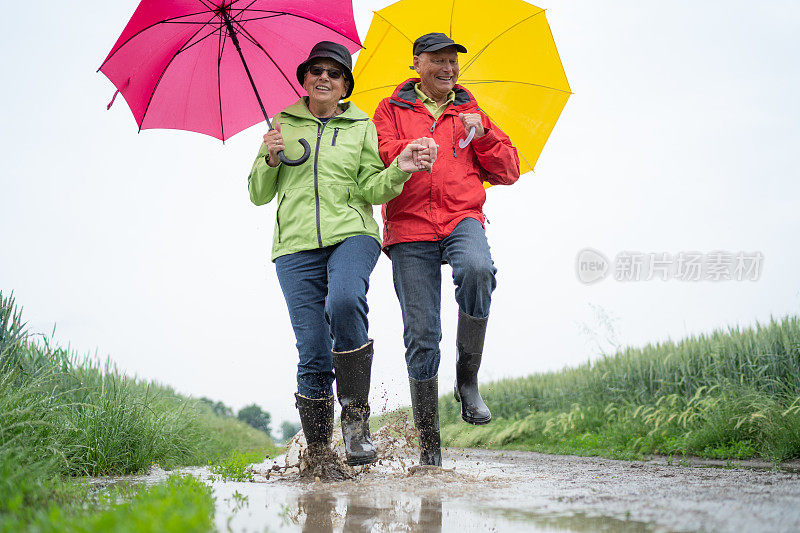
(483, 490)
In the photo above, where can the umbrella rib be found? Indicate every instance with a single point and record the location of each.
(371, 55)
(198, 41)
(482, 50)
(244, 8)
(220, 49)
(155, 87)
(179, 22)
(253, 40)
(209, 7)
(452, 10)
(165, 21)
(501, 129)
(374, 89)
(478, 82)
(279, 13)
(260, 18)
(393, 26)
(557, 54)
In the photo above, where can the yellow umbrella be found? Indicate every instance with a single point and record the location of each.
(511, 65)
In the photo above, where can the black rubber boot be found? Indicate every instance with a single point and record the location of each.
(469, 343)
(353, 371)
(316, 417)
(425, 403)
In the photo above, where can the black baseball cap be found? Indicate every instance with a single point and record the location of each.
(329, 50)
(431, 42)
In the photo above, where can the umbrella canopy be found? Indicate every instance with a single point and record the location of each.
(511, 65)
(177, 65)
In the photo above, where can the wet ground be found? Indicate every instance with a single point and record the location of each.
(483, 490)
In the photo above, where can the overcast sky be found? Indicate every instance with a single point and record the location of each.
(681, 136)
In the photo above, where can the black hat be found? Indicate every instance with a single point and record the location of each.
(431, 42)
(329, 50)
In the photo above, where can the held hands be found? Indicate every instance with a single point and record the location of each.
(472, 120)
(418, 155)
(274, 142)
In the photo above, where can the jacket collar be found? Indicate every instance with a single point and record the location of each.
(405, 96)
(299, 109)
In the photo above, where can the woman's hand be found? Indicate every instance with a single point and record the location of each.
(274, 142)
(418, 155)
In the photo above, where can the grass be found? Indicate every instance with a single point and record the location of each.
(181, 504)
(65, 416)
(733, 394)
(237, 466)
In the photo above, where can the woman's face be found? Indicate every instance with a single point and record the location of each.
(322, 88)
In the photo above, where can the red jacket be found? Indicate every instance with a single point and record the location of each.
(432, 204)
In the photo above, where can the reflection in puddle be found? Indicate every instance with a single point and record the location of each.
(362, 514)
(279, 507)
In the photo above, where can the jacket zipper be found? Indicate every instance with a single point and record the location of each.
(433, 127)
(278, 215)
(335, 133)
(320, 128)
(350, 197)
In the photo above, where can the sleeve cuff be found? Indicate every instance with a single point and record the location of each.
(488, 140)
(396, 168)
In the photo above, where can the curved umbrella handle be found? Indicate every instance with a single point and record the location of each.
(463, 143)
(299, 161)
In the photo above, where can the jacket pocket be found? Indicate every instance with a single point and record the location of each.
(278, 216)
(350, 205)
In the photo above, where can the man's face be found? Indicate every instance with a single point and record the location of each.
(438, 71)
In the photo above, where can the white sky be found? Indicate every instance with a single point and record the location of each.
(682, 135)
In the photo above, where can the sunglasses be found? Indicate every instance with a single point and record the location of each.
(333, 73)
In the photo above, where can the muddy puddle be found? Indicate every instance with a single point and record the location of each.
(485, 490)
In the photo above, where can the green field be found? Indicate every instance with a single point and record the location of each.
(64, 417)
(732, 394)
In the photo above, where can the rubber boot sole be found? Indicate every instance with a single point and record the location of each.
(362, 461)
(469, 419)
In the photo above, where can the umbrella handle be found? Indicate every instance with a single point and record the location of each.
(463, 143)
(302, 159)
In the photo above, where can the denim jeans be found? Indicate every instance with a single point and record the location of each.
(417, 270)
(326, 293)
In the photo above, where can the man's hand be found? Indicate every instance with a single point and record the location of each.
(472, 120)
(418, 155)
(274, 142)
(432, 147)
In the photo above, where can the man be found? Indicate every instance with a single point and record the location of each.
(438, 218)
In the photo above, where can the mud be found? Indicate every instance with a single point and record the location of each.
(483, 490)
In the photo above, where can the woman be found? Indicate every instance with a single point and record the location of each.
(326, 242)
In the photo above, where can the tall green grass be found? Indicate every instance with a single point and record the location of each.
(729, 394)
(62, 416)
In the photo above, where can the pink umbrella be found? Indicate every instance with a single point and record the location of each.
(201, 65)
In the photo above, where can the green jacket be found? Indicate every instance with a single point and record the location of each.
(329, 197)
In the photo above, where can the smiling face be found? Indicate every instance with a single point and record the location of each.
(438, 71)
(322, 89)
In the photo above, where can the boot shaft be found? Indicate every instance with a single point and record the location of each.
(353, 373)
(469, 342)
(425, 404)
(470, 337)
(316, 417)
(353, 370)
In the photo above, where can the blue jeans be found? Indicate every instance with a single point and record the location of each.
(417, 271)
(326, 293)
